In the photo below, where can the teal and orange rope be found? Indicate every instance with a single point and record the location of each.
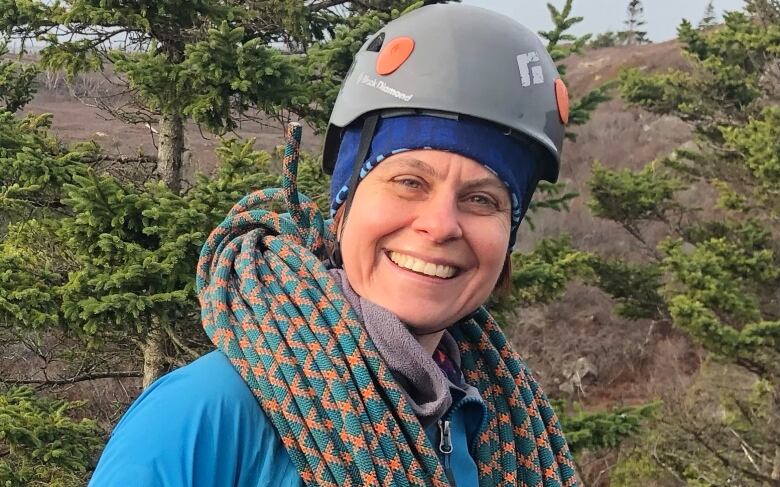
(268, 302)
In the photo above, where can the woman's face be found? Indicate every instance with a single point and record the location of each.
(427, 236)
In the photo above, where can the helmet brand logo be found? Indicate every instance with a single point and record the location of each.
(380, 85)
(530, 74)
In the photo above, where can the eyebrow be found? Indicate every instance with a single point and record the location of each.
(417, 164)
(488, 181)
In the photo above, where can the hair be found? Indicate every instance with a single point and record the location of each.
(503, 286)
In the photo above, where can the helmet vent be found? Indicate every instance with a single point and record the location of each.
(376, 44)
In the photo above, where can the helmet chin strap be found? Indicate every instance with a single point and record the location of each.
(366, 134)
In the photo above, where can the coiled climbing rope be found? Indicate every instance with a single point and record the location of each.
(268, 302)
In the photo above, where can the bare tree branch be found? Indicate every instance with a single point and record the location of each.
(725, 461)
(139, 159)
(73, 380)
(179, 343)
(326, 4)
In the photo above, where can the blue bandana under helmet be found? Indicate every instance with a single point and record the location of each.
(509, 158)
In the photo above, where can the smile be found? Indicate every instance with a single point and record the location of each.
(422, 267)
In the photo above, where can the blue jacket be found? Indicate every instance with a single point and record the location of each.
(201, 426)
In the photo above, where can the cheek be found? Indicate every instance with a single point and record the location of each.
(490, 245)
(367, 224)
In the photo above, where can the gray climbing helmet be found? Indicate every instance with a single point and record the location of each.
(456, 60)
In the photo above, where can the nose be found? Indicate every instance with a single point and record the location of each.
(438, 219)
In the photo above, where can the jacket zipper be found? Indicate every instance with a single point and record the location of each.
(445, 448)
(445, 435)
(468, 400)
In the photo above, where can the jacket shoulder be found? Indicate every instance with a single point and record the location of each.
(198, 425)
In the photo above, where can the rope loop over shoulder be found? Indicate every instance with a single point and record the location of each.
(268, 302)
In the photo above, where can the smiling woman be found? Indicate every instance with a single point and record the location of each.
(436, 255)
(375, 363)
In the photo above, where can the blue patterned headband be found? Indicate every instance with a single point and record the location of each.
(509, 158)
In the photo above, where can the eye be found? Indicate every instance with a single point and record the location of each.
(483, 200)
(408, 182)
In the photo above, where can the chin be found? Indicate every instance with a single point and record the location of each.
(430, 321)
(424, 313)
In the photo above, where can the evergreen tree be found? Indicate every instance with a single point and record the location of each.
(633, 34)
(710, 17)
(16, 82)
(716, 275)
(94, 256)
(562, 44)
(41, 443)
(72, 234)
(591, 431)
(210, 62)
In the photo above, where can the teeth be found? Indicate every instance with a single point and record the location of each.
(444, 271)
(417, 265)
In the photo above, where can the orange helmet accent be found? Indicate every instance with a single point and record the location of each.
(393, 55)
(562, 97)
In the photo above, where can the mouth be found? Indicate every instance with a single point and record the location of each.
(422, 267)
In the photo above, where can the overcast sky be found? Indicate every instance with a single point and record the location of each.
(662, 16)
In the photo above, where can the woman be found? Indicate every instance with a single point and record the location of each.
(383, 369)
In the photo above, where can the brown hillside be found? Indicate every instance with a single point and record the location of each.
(75, 118)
